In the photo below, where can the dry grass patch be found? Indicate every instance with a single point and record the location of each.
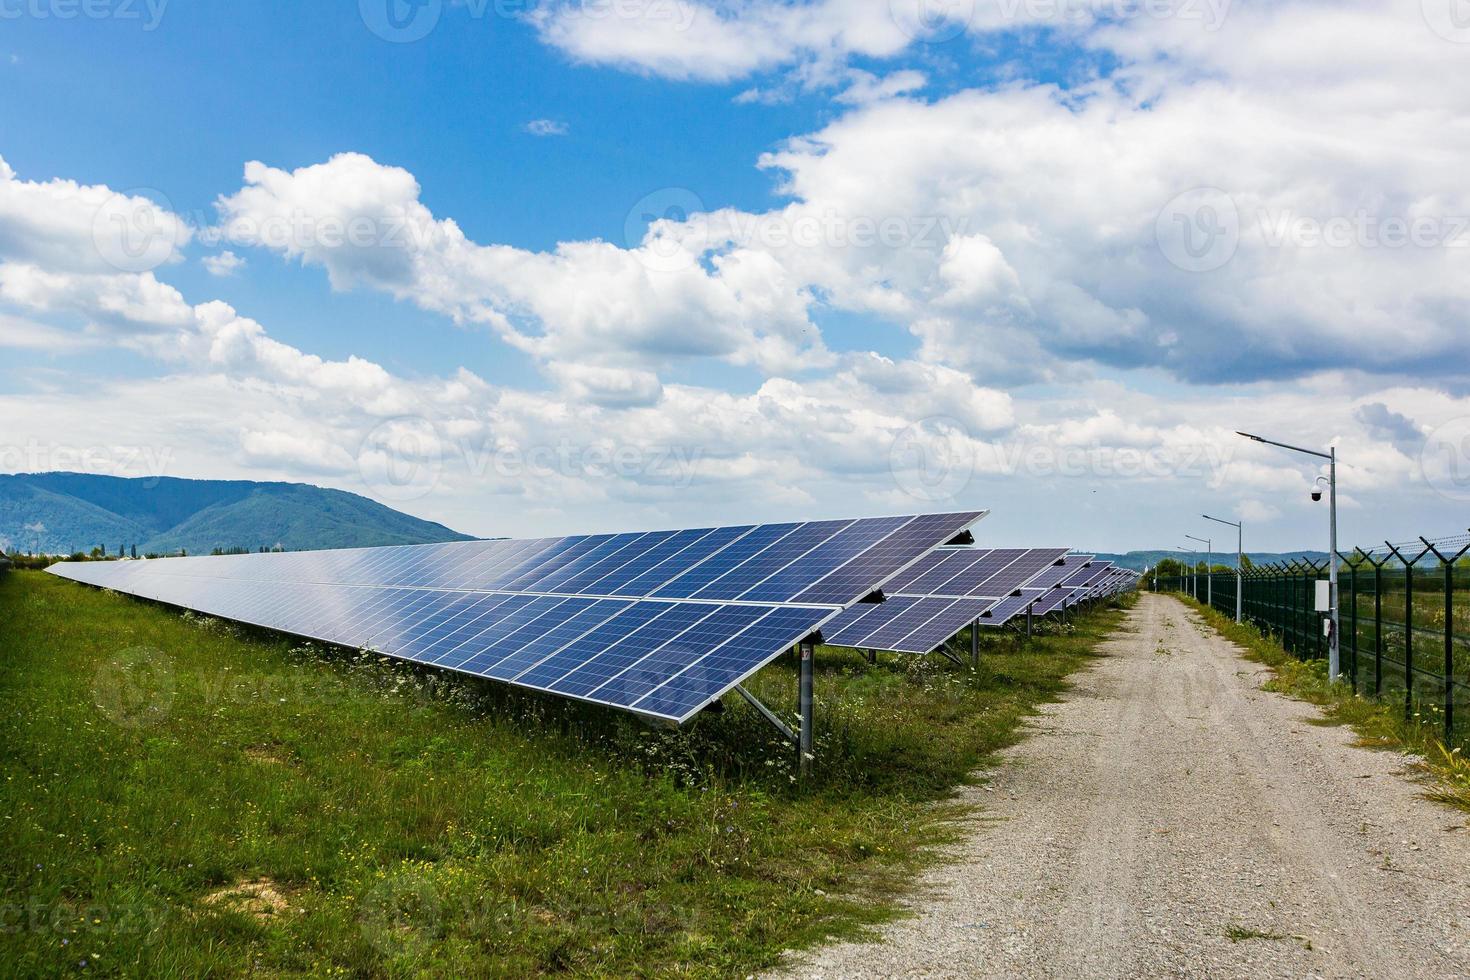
(259, 898)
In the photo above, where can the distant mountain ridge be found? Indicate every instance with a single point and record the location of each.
(163, 515)
(1141, 560)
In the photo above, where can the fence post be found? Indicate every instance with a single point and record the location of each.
(1408, 627)
(1377, 629)
(1353, 592)
(1448, 564)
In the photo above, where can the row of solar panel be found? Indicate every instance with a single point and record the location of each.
(572, 616)
(818, 562)
(949, 590)
(657, 657)
(920, 624)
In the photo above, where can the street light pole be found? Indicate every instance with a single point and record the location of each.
(1239, 546)
(1209, 544)
(1334, 662)
(1193, 572)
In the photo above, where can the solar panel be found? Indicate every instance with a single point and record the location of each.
(920, 613)
(1011, 606)
(660, 623)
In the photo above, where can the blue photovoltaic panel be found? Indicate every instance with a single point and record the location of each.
(904, 623)
(600, 640)
(943, 626)
(614, 581)
(856, 622)
(1020, 572)
(883, 560)
(574, 616)
(728, 663)
(724, 561)
(1053, 600)
(676, 564)
(845, 545)
(963, 564)
(772, 559)
(912, 620)
(1010, 607)
(598, 666)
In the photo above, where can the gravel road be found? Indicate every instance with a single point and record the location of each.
(1169, 818)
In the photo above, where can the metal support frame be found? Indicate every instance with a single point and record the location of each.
(767, 713)
(975, 644)
(804, 739)
(944, 651)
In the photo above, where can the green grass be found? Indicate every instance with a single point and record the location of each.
(390, 821)
(1379, 723)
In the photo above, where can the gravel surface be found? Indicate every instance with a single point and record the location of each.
(1169, 818)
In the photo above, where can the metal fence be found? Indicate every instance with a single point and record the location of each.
(1405, 620)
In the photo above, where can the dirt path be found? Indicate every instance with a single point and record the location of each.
(1168, 805)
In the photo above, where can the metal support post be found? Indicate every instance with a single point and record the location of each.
(804, 742)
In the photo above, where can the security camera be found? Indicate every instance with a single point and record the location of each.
(1316, 494)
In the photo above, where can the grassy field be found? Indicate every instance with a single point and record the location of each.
(185, 797)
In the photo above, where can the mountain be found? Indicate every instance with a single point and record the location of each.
(1141, 560)
(80, 511)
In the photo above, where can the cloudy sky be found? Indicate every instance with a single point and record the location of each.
(535, 266)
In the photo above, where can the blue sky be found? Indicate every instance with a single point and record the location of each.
(1033, 328)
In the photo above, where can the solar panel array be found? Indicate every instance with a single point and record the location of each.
(949, 590)
(660, 623)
